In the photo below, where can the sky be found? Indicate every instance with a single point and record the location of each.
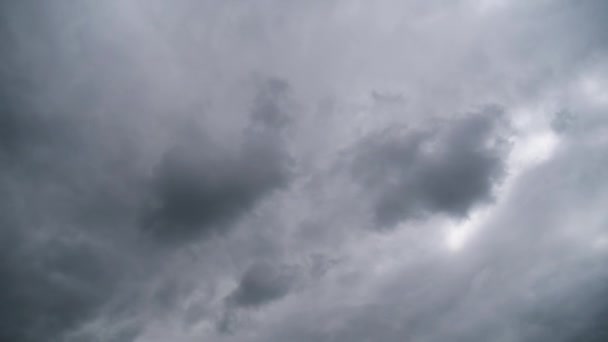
(304, 170)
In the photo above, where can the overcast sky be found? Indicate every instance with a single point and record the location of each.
(304, 170)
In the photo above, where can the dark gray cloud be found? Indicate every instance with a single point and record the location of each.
(198, 193)
(73, 174)
(200, 187)
(49, 287)
(447, 169)
(56, 272)
(261, 284)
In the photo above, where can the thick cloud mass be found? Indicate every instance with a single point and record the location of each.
(200, 187)
(51, 292)
(196, 191)
(447, 170)
(299, 170)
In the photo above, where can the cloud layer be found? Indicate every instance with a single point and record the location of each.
(303, 171)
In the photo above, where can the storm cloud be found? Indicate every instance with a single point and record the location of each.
(443, 170)
(199, 187)
(303, 170)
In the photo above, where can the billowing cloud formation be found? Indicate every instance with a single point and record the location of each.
(223, 170)
(201, 187)
(445, 170)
